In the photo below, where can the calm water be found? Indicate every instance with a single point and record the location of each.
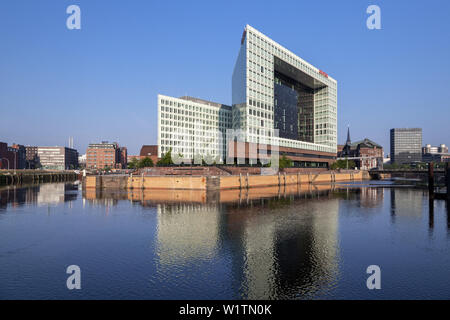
(312, 243)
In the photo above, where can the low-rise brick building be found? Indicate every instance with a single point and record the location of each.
(366, 154)
(12, 157)
(150, 151)
(31, 157)
(106, 155)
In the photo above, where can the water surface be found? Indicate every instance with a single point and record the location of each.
(314, 242)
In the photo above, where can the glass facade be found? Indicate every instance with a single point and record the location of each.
(272, 89)
(293, 109)
(284, 92)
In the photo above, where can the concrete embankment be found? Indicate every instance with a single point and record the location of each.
(218, 182)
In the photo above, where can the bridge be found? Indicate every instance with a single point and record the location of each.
(438, 180)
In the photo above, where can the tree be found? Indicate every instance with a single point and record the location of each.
(166, 159)
(342, 164)
(209, 159)
(145, 162)
(133, 163)
(285, 162)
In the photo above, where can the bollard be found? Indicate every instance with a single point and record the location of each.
(431, 178)
(240, 180)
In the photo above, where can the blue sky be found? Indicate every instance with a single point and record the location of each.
(101, 82)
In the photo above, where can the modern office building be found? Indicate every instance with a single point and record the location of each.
(278, 99)
(57, 158)
(406, 145)
(105, 155)
(192, 127)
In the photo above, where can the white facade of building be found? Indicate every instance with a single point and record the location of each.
(253, 93)
(192, 127)
(189, 126)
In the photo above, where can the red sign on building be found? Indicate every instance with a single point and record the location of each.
(323, 73)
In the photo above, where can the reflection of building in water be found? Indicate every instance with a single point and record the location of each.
(42, 194)
(15, 196)
(371, 197)
(406, 202)
(51, 193)
(289, 247)
(281, 247)
(187, 232)
(101, 197)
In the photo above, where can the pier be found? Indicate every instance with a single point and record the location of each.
(11, 177)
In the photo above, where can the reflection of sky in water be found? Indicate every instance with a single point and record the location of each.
(294, 243)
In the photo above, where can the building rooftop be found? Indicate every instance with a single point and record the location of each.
(202, 101)
(365, 143)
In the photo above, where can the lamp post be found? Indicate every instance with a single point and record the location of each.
(15, 162)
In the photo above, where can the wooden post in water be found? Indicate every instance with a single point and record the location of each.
(431, 179)
(447, 179)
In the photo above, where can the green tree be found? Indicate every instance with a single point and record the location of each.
(145, 162)
(285, 162)
(342, 164)
(166, 159)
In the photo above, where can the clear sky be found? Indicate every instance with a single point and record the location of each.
(101, 82)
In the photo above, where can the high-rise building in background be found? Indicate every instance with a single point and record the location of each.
(406, 145)
(57, 158)
(272, 89)
(105, 155)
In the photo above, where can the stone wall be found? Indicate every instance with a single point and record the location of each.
(218, 182)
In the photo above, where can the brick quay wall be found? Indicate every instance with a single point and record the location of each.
(220, 182)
